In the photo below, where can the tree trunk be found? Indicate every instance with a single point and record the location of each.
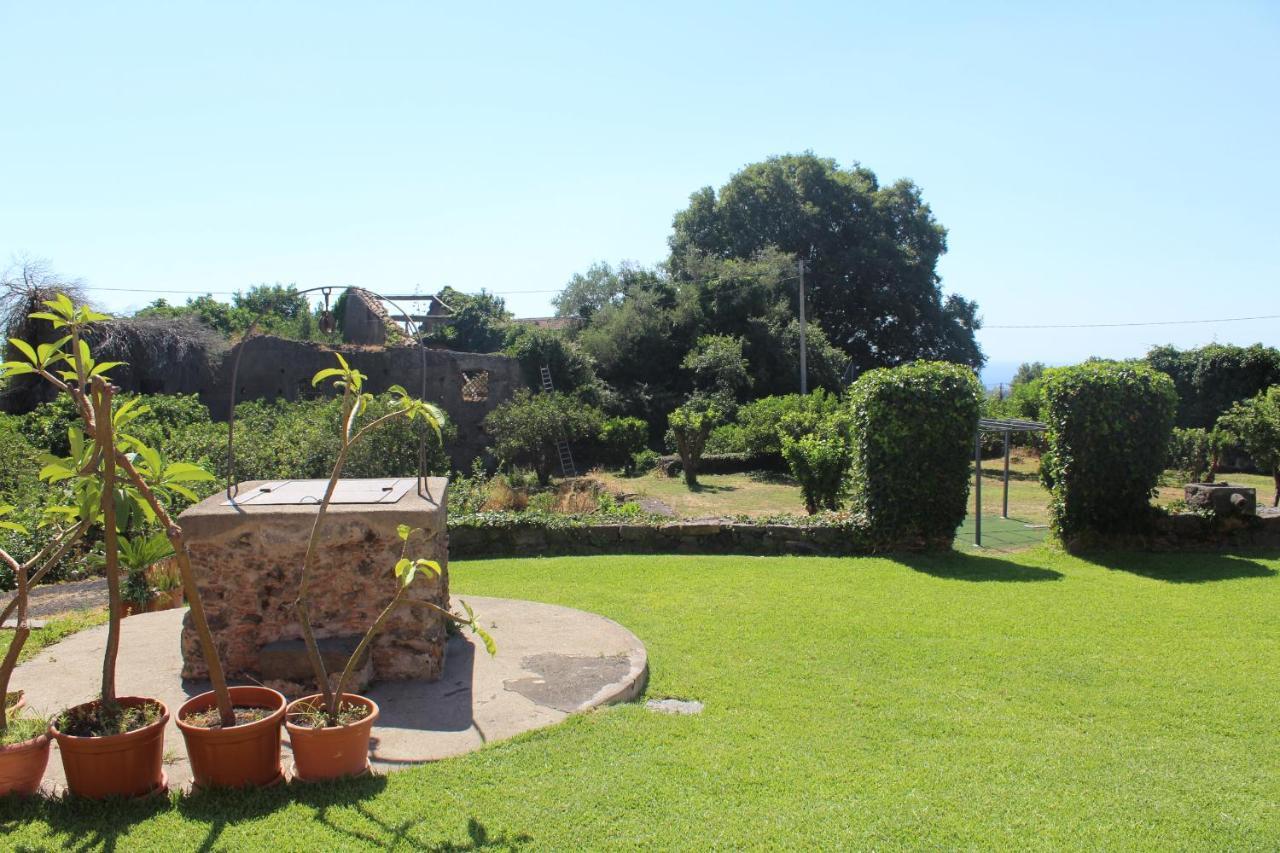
(106, 442)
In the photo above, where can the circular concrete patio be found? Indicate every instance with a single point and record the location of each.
(552, 662)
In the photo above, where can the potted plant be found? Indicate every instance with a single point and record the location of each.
(329, 731)
(24, 742)
(114, 744)
(137, 556)
(167, 582)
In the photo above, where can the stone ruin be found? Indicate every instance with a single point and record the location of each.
(247, 555)
(1223, 499)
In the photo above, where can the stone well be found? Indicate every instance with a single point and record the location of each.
(247, 555)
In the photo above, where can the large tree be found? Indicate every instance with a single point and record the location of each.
(871, 251)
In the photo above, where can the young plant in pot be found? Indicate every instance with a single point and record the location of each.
(113, 745)
(24, 739)
(329, 731)
(137, 555)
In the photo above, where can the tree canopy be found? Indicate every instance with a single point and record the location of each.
(872, 255)
(1212, 378)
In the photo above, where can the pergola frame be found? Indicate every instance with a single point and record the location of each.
(1004, 426)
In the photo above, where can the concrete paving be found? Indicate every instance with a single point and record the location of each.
(552, 662)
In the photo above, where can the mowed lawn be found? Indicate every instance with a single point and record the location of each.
(1029, 700)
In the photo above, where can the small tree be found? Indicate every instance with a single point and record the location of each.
(718, 366)
(1255, 426)
(354, 404)
(691, 425)
(107, 471)
(527, 429)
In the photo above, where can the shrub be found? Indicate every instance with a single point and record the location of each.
(761, 424)
(1191, 453)
(1209, 380)
(691, 426)
(820, 463)
(646, 461)
(1109, 429)
(621, 439)
(1255, 425)
(526, 429)
(912, 436)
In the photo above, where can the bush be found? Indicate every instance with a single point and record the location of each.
(526, 429)
(621, 439)
(912, 433)
(764, 421)
(1255, 425)
(1191, 453)
(1109, 429)
(820, 463)
(646, 461)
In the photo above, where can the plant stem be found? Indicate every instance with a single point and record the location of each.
(178, 540)
(20, 634)
(374, 630)
(106, 440)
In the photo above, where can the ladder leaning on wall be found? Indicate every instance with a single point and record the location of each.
(567, 468)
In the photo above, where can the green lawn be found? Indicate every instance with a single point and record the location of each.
(54, 630)
(1031, 700)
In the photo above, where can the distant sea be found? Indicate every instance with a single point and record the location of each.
(998, 372)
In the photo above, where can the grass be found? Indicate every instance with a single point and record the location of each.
(54, 630)
(960, 700)
(752, 494)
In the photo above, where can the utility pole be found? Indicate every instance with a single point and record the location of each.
(804, 368)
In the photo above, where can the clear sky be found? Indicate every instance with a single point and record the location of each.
(1102, 162)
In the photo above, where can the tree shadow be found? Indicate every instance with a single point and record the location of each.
(710, 489)
(1186, 566)
(391, 836)
(957, 565)
(86, 825)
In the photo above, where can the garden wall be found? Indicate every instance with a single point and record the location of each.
(518, 538)
(1193, 531)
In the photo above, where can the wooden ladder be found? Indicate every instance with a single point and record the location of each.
(567, 468)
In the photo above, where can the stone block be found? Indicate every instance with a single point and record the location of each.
(1223, 499)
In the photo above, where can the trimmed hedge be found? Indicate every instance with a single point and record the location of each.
(912, 435)
(1109, 431)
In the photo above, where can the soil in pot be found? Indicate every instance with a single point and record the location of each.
(247, 753)
(24, 754)
(115, 750)
(321, 751)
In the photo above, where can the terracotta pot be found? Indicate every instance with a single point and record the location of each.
(127, 765)
(176, 597)
(333, 752)
(22, 766)
(242, 755)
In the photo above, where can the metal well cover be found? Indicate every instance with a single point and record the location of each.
(387, 490)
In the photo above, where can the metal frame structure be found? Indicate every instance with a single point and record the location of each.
(1004, 426)
(233, 487)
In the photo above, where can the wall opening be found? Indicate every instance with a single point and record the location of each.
(475, 386)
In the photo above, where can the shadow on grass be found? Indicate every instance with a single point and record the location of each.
(957, 565)
(80, 825)
(392, 835)
(1186, 567)
(708, 489)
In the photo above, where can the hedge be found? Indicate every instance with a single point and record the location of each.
(912, 433)
(1109, 430)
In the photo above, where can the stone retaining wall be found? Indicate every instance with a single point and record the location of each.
(683, 537)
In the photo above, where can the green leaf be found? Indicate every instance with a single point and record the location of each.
(15, 368)
(430, 566)
(403, 565)
(57, 321)
(25, 349)
(403, 531)
(14, 526)
(325, 374)
(489, 645)
(185, 472)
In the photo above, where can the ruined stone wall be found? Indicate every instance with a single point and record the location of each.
(275, 368)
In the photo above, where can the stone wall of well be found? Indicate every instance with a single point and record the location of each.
(248, 565)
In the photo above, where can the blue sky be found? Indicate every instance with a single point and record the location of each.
(1093, 163)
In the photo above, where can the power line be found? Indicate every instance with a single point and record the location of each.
(1140, 323)
(235, 292)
